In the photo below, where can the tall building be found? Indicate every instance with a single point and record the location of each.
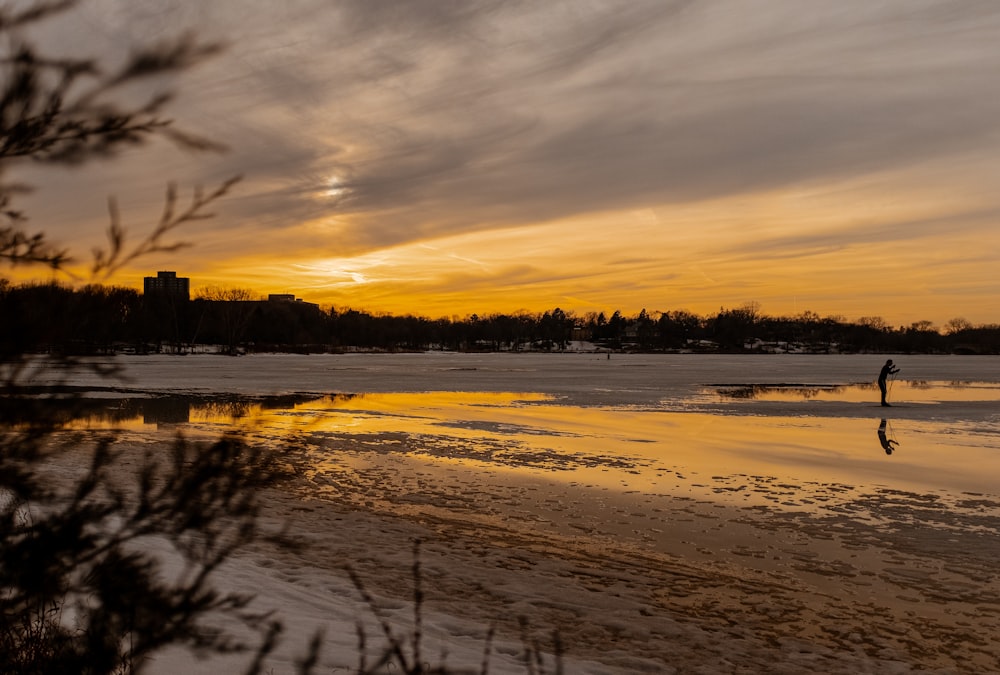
(167, 283)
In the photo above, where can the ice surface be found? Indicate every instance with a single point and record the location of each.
(653, 519)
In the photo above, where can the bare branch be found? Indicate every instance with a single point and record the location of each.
(10, 19)
(39, 120)
(177, 54)
(18, 247)
(110, 260)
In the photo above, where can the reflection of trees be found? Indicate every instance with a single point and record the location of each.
(291, 400)
(155, 409)
(233, 409)
(754, 391)
(166, 410)
(741, 392)
(61, 411)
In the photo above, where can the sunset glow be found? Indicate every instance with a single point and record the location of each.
(445, 161)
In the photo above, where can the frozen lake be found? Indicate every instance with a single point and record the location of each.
(686, 510)
(622, 421)
(582, 378)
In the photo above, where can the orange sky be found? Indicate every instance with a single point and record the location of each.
(446, 159)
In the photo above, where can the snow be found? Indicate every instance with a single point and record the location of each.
(657, 523)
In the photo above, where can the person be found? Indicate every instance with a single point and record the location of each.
(884, 440)
(887, 370)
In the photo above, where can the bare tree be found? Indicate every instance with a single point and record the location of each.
(873, 322)
(78, 591)
(232, 308)
(957, 325)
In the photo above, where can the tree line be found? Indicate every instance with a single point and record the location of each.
(97, 318)
(110, 550)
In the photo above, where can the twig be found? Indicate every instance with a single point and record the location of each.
(115, 256)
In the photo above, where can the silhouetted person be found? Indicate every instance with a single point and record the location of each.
(884, 440)
(887, 370)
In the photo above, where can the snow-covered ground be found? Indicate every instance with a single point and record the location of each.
(684, 513)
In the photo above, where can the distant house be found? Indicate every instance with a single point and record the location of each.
(167, 284)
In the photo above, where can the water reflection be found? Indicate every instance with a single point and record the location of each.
(913, 391)
(328, 411)
(168, 411)
(884, 440)
(786, 392)
(616, 447)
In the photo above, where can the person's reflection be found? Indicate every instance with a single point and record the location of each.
(887, 443)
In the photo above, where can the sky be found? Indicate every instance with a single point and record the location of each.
(444, 158)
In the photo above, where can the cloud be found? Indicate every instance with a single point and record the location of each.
(452, 116)
(591, 118)
(442, 118)
(883, 234)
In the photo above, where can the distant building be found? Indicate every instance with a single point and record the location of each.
(167, 283)
(289, 297)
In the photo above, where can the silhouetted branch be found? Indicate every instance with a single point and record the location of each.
(18, 247)
(59, 110)
(176, 54)
(79, 590)
(394, 656)
(116, 255)
(205, 502)
(39, 119)
(10, 18)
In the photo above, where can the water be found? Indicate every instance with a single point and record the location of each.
(624, 499)
(628, 422)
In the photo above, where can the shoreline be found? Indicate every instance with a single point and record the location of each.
(880, 582)
(836, 580)
(721, 536)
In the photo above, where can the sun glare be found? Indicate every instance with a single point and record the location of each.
(333, 187)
